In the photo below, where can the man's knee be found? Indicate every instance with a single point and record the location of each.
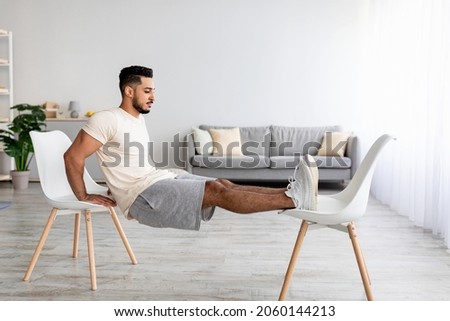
(215, 187)
(214, 191)
(224, 182)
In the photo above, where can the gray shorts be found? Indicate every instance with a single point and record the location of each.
(174, 202)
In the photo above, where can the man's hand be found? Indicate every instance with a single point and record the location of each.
(99, 199)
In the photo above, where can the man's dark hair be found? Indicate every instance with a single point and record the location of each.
(131, 76)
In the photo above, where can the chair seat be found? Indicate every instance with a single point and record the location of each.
(69, 201)
(329, 211)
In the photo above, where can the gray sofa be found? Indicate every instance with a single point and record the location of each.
(270, 153)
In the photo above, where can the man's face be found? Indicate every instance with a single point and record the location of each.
(144, 95)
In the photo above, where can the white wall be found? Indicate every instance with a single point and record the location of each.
(228, 62)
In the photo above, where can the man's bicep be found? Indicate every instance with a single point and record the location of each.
(84, 145)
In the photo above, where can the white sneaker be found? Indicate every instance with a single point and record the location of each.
(304, 176)
(297, 185)
(294, 191)
(303, 186)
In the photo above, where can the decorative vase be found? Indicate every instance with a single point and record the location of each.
(74, 109)
(20, 179)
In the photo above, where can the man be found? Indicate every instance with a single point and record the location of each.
(158, 197)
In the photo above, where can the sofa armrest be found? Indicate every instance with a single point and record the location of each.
(352, 153)
(190, 151)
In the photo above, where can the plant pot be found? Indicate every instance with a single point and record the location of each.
(20, 179)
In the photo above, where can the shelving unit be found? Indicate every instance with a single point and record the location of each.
(6, 95)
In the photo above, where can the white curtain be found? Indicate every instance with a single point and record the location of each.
(407, 90)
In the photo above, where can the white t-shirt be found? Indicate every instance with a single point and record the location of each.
(124, 157)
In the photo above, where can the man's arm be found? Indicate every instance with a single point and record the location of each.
(83, 146)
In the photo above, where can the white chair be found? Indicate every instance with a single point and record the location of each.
(49, 148)
(339, 211)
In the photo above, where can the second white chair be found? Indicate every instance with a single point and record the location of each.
(339, 211)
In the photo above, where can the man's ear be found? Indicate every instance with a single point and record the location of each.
(129, 91)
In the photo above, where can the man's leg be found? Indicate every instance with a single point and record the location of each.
(250, 188)
(237, 199)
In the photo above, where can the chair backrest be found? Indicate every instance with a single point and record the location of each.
(356, 194)
(49, 148)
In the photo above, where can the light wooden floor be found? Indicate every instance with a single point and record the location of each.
(233, 257)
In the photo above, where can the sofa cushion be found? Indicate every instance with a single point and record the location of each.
(322, 162)
(235, 162)
(290, 141)
(202, 140)
(254, 140)
(226, 142)
(334, 144)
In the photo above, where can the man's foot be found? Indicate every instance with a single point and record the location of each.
(294, 191)
(302, 187)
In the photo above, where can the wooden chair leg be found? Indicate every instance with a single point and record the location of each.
(90, 244)
(360, 260)
(122, 235)
(365, 268)
(41, 243)
(291, 267)
(76, 235)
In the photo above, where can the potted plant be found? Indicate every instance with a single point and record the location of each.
(17, 141)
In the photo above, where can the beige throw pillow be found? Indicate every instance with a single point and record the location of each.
(203, 141)
(226, 142)
(334, 144)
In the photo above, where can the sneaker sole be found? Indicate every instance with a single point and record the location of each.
(308, 187)
(314, 172)
(306, 182)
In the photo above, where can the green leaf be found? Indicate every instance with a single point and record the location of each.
(17, 141)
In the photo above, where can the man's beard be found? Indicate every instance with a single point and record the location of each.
(138, 107)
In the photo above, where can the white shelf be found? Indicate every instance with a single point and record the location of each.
(7, 100)
(67, 119)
